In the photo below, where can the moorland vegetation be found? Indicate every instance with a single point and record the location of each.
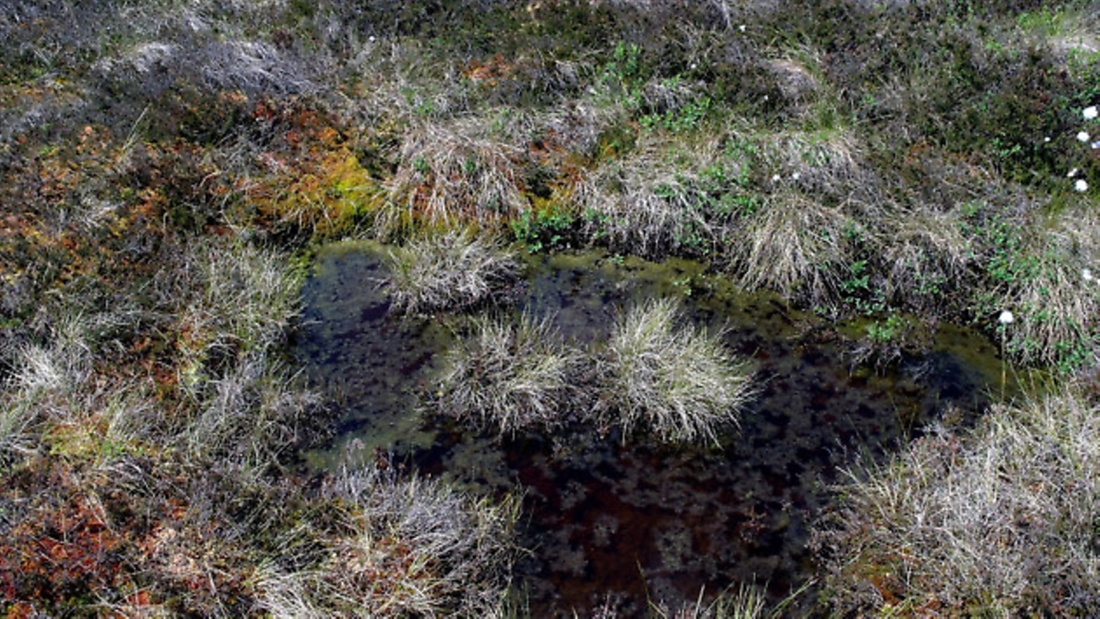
(167, 167)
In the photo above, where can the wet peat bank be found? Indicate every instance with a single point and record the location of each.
(625, 525)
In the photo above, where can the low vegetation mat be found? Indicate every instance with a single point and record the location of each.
(168, 167)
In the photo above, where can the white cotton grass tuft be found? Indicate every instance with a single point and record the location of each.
(1090, 112)
(1083, 136)
(1081, 185)
(1006, 318)
(1086, 274)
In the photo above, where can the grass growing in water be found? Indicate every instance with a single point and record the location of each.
(662, 373)
(450, 271)
(509, 376)
(134, 134)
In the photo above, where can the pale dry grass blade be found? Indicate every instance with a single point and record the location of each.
(509, 377)
(668, 376)
(999, 520)
(451, 271)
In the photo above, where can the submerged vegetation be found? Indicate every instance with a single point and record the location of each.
(167, 167)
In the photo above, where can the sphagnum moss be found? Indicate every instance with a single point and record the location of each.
(665, 375)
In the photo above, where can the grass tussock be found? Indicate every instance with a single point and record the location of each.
(998, 521)
(795, 246)
(663, 374)
(929, 255)
(827, 162)
(449, 271)
(457, 173)
(407, 547)
(246, 407)
(509, 376)
(49, 384)
(665, 197)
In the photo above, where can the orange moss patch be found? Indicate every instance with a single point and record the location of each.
(63, 548)
(487, 72)
(325, 196)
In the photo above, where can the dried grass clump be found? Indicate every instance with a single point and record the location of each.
(457, 172)
(653, 203)
(799, 77)
(48, 383)
(795, 246)
(927, 257)
(409, 548)
(509, 376)
(669, 376)
(828, 164)
(998, 522)
(449, 271)
(247, 408)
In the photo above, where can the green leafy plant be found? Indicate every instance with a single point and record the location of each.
(543, 229)
(887, 331)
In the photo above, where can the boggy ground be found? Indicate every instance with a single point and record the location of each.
(616, 517)
(168, 167)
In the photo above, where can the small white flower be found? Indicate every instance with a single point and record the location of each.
(1081, 185)
(1046, 139)
(796, 176)
(1090, 112)
(775, 178)
(693, 66)
(1006, 318)
(371, 38)
(1095, 145)
(1083, 136)
(1072, 173)
(742, 29)
(1086, 274)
